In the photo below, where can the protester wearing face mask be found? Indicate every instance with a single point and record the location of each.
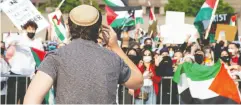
(225, 57)
(21, 60)
(233, 48)
(150, 88)
(171, 52)
(232, 69)
(199, 56)
(134, 56)
(164, 63)
(148, 44)
(164, 68)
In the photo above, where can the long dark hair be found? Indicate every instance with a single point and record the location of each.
(152, 55)
(229, 55)
(138, 57)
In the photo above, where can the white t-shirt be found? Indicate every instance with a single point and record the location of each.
(23, 62)
(147, 81)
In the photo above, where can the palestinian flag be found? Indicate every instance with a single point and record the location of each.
(198, 84)
(58, 26)
(116, 3)
(38, 55)
(233, 20)
(203, 17)
(126, 16)
(49, 98)
(111, 15)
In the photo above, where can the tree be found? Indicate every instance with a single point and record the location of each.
(68, 5)
(192, 7)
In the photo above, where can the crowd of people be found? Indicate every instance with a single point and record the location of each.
(156, 60)
(153, 58)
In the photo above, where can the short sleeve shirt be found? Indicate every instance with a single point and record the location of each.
(85, 73)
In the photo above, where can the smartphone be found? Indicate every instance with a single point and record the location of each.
(105, 35)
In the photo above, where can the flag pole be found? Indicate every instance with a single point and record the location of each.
(60, 4)
(211, 20)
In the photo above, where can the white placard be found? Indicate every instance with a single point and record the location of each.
(21, 11)
(177, 34)
(175, 18)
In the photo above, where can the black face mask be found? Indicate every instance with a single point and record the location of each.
(134, 58)
(199, 58)
(167, 60)
(148, 47)
(225, 59)
(31, 35)
(2, 51)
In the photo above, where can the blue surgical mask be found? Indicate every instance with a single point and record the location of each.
(51, 48)
(171, 53)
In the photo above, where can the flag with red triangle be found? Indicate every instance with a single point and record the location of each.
(111, 15)
(38, 55)
(204, 15)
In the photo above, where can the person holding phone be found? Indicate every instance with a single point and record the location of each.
(83, 72)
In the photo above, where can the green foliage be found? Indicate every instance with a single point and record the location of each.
(68, 5)
(191, 7)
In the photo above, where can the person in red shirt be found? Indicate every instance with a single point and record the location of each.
(151, 80)
(233, 48)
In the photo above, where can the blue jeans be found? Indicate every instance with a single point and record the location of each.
(151, 97)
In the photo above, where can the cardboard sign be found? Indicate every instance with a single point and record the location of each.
(177, 34)
(175, 18)
(226, 31)
(220, 19)
(21, 11)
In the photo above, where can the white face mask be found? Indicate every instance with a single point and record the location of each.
(147, 59)
(230, 50)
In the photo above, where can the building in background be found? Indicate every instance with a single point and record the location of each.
(160, 4)
(7, 26)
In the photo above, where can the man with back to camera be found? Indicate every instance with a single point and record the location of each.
(83, 72)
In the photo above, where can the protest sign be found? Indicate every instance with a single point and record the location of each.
(176, 34)
(21, 11)
(220, 19)
(173, 17)
(227, 31)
